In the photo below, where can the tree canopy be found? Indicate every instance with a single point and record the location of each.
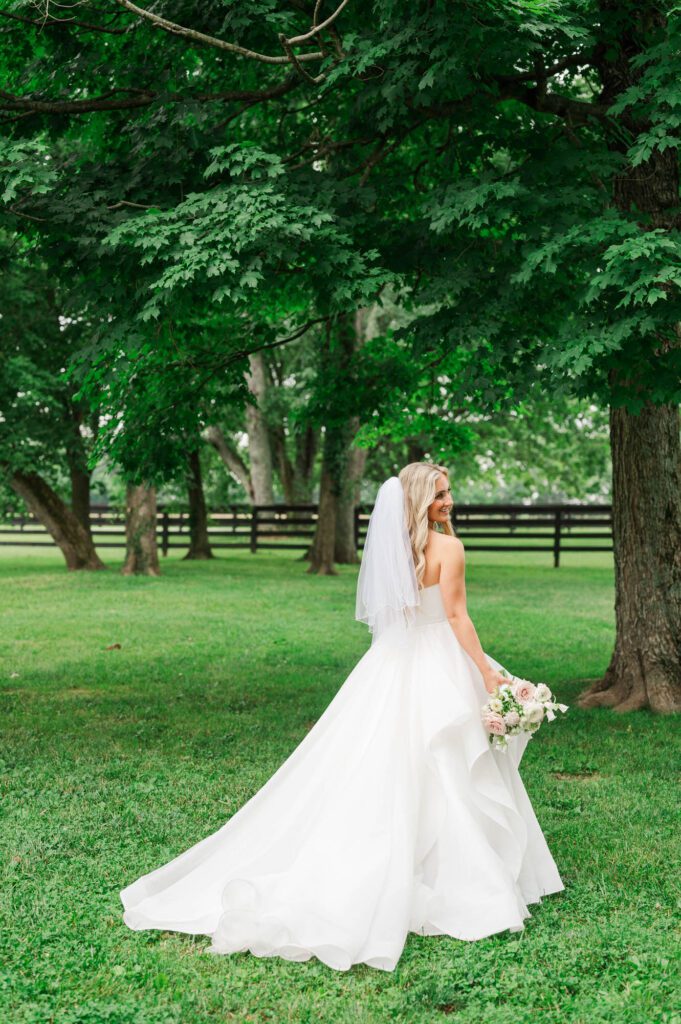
(468, 156)
(210, 182)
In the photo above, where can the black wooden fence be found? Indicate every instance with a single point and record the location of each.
(554, 528)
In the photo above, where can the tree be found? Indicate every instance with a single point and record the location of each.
(549, 231)
(141, 549)
(545, 227)
(43, 449)
(259, 448)
(199, 541)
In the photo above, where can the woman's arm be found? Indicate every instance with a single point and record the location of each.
(453, 589)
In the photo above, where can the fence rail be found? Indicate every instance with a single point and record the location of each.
(552, 528)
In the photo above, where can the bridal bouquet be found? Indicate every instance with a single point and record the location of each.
(517, 706)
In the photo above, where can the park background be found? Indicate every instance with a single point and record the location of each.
(268, 254)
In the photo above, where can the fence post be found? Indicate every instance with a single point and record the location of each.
(165, 532)
(254, 529)
(556, 539)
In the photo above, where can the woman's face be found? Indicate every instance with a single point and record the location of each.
(441, 506)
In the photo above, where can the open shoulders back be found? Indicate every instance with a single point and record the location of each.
(441, 549)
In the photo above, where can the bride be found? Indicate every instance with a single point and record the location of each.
(394, 813)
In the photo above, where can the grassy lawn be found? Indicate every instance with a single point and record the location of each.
(114, 761)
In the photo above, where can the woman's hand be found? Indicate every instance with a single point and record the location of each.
(493, 679)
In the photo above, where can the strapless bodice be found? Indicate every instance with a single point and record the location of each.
(431, 608)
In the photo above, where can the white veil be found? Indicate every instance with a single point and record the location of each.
(387, 589)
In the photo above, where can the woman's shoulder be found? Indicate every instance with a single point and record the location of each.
(447, 542)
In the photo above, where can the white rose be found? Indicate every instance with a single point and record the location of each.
(534, 711)
(495, 705)
(542, 692)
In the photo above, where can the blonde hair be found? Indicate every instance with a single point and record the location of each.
(419, 482)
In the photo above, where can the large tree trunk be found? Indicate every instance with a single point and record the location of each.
(338, 434)
(231, 458)
(259, 450)
(285, 467)
(322, 551)
(80, 495)
(141, 557)
(199, 543)
(78, 471)
(366, 324)
(295, 474)
(59, 520)
(306, 447)
(645, 669)
(345, 545)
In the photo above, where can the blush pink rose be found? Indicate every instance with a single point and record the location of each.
(494, 723)
(511, 718)
(524, 691)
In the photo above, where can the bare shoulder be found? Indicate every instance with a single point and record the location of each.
(446, 541)
(449, 547)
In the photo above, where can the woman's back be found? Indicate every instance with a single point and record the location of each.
(438, 546)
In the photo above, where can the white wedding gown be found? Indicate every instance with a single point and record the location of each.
(392, 815)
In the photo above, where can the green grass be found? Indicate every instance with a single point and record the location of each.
(114, 761)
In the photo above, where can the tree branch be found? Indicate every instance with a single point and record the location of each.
(28, 216)
(578, 111)
(214, 436)
(288, 50)
(50, 22)
(126, 202)
(38, 106)
(235, 357)
(318, 28)
(221, 363)
(382, 150)
(251, 96)
(144, 98)
(206, 40)
(544, 102)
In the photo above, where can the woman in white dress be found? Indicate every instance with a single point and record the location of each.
(394, 813)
